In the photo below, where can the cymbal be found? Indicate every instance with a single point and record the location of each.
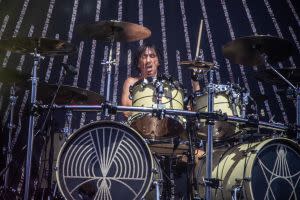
(43, 46)
(268, 76)
(13, 76)
(114, 30)
(67, 95)
(197, 65)
(248, 50)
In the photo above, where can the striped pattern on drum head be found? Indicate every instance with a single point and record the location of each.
(104, 160)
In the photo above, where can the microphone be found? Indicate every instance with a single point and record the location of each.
(70, 69)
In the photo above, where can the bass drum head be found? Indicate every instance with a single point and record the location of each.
(104, 160)
(276, 171)
(266, 170)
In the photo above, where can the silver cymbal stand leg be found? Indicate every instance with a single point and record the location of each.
(34, 82)
(209, 143)
(11, 126)
(157, 190)
(156, 183)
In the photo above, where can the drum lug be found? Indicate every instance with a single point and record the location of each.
(130, 92)
(213, 182)
(147, 141)
(239, 180)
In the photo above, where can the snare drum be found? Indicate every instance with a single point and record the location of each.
(262, 170)
(143, 94)
(226, 100)
(105, 160)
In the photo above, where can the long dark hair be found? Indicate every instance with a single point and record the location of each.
(141, 50)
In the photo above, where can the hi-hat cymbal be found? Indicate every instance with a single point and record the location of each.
(268, 76)
(248, 50)
(114, 31)
(67, 95)
(43, 46)
(197, 65)
(12, 76)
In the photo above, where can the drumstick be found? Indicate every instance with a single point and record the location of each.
(199, 39)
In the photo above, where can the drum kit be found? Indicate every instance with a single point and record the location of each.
(135, 160)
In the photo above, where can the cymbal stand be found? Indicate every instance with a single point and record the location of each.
(11, 126)
(108, 65)
(234, 98)
(67, 130)
(209, 143)
(156, 183)
(296, 92)
(34, 82)
(159, 89)
(244, 102)
(192, 181)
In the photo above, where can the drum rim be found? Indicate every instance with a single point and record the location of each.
(175, 83)
(105, 122)
(205, 91)
(180, 120)
(140, 115)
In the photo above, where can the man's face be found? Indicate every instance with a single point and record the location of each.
(148, 63)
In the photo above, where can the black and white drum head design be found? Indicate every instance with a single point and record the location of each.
(276, 171)
(104, 160)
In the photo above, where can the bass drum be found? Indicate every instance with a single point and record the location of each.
(104, 160)
(265, 170)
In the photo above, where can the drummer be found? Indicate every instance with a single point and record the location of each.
(147, 60)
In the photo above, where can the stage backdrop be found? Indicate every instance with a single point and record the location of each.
(174, 25)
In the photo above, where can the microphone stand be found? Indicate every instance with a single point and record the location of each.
(60, 81)
(49, 117)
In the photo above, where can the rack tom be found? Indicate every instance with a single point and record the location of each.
(226, 100)
(144, 94)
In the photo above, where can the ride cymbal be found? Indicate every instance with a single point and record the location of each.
(249, 50)
(114, 31)
(42, 46)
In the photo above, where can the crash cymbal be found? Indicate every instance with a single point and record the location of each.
(43, 46)
(13, 76)
(114, 30)
(268, 76)
(67, 95)
(197, 65)
(248, 50)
